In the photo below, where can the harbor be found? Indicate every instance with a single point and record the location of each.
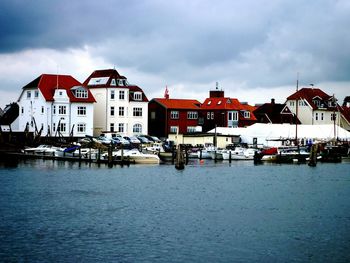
(243, 212)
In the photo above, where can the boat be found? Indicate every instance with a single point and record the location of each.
(239, 153)
(135, 156)
(206, 152)
(42, 149)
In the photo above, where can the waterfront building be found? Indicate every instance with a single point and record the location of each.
(120, 107)
(314, 107)
(173, 116)
(275, 113)
(56, 105)
(221, 111)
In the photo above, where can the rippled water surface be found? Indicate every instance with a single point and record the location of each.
(58, 211)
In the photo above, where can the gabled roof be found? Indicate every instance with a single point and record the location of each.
(134, 89)
(103, 78)
(274, 113)
(309, 94)
(346, 112)
(178, 103)
(247, 107)
(48, 83)
(221, 104)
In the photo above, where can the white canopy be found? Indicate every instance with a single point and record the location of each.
(274, 134)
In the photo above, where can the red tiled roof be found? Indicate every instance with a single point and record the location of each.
(308, 94)
(178, 103)
(250, 108)
(221, 104)
(47, 85)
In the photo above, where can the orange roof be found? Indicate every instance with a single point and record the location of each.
(178, 103)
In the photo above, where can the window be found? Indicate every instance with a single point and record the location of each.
(137, 128)
(291, 103)
(111, 127)
(22, 110)
(113, 83)
(246, 114)
(42, 109)
(112, 110)
(29, 94)
(137, 112)
(322, 116)
(208, 115)
(232, 116)
(191, 129)
(173, 129)
(212, 115)
(60, 93)
(333, 117)
(62, 127)
(192, 115)
(81, 110)
(316, 116)
(153, 115)
(54, 127)
(121, 127)
(122, 95)
(317, 103)
(62, 110)
(138, 96)
(36, 94)
(174, 114)
(80, 93)
(112, 94)
(81, 127)
(121, 111)
(54, 110)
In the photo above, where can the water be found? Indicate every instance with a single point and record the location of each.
(60, 212)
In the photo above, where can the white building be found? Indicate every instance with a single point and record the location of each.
(119, 107)
(58, 105)
(314, 107)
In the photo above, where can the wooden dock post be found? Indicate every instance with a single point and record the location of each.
(229, 156)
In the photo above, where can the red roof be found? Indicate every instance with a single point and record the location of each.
(47, 84)
(133, 89)
(221, 104)
(309, 94)
(247, 107)
(179, 103)
(346, 112)
(104, 73)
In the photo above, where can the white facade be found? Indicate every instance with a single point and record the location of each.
(113, 111)
(308, 115)
(54, 117)
(119, 107)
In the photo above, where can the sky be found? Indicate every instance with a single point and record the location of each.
(254, 49)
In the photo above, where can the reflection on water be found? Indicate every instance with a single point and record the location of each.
(209, 212)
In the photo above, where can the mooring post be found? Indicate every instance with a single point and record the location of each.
(229, 156)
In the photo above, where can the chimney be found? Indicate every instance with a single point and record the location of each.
(273, 101)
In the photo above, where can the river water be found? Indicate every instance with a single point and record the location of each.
(213, 212)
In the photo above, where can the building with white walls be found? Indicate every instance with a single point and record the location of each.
(120, 107)
(56, 105)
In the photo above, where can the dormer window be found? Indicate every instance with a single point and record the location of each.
(209, 102)
(138, 96)
(219, 102)
(113, 83)
(80, 92)
(317, 103)
(246, 114)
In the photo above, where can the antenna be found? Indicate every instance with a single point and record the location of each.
(217, 85)
(57, 77)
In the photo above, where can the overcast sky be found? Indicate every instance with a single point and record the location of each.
(252, 48)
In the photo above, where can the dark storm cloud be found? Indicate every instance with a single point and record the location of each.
(258, 42)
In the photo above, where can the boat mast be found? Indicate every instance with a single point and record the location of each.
(296, 112)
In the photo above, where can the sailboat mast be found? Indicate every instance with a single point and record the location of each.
(296, 112)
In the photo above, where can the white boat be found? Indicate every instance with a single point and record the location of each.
(86, 153)
(42, 149)
(239, 153)
(134, 155)
(206, 152)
